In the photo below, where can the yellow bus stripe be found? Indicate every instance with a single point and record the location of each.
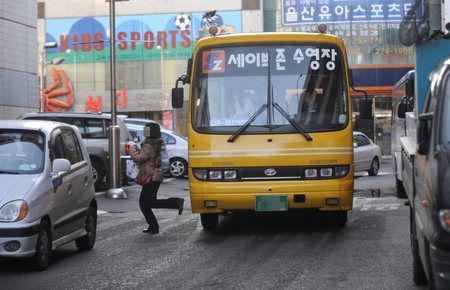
(275, 149)
(271, 154)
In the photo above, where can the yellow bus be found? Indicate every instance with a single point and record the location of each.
(269, 125)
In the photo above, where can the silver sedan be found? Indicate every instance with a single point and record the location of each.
(367, 155)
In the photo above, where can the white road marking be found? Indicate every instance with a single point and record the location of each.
(371, 203)
(392, 206)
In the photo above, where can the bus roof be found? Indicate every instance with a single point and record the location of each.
(272, 37)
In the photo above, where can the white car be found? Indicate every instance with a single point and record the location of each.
(177, 148)
(367, 155)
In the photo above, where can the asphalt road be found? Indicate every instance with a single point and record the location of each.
(290, 251)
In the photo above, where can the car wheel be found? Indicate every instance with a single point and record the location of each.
(87, 242)
(339, 218)
(178, 167)
(98, 173)
(419, 275)
(209, 220)
(374, 167)
(43, 253)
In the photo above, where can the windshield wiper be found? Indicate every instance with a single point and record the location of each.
(293, 123)
(247, 124)
(8, 172)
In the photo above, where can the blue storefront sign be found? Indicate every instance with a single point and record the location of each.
(299, 12)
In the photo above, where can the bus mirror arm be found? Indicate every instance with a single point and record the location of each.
(183, 78)
(293, 123)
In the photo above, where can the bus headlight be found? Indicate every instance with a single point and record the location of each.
(311, 173)
(326, 172)
(200, 174)
(341, 171)
(230, 175)
(215, 175)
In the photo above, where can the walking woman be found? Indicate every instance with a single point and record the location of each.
(148, 158)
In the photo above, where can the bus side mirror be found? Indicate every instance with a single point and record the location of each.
(365, 109)
(423, 133)
(177, 98)
(401, 110)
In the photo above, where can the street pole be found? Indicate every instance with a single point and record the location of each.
(114, 131)
(42, 83)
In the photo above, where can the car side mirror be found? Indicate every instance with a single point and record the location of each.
(401, 110)
(423, 133)
(355, 144)
(60, 165)
(365, 109)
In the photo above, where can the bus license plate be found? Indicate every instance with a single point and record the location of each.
(271, 203)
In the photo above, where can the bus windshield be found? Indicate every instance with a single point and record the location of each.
(305, 82)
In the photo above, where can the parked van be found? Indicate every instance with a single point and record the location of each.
(94, 131)
(47, 197)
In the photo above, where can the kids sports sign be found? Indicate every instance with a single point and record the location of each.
(138, 37)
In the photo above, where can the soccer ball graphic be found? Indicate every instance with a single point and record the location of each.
(182, 21)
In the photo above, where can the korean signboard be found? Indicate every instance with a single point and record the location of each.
(297, 12)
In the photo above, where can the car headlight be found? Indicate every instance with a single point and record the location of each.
(14, 211)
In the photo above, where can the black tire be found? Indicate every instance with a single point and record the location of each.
(209, 221)
(340, 218)
(400, 189)
(43, 253)
(87, 242)
(178, 167)
(419, 275)
(374, 167)
(98, 173)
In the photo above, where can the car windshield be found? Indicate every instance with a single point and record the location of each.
(21, 152)
(304, 82)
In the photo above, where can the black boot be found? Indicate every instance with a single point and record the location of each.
(180, 206)
(151, 230)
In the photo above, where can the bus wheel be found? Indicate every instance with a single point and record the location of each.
(419, 275)
(209, 220)
(339, 218)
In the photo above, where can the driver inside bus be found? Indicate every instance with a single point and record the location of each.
(245, 107)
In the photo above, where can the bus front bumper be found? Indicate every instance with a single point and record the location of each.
(204, 203)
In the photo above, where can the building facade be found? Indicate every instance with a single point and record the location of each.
(155, 39)
(369, 29)
(154, 42)
(18, 58)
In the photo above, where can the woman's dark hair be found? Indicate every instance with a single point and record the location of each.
(152, 130)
